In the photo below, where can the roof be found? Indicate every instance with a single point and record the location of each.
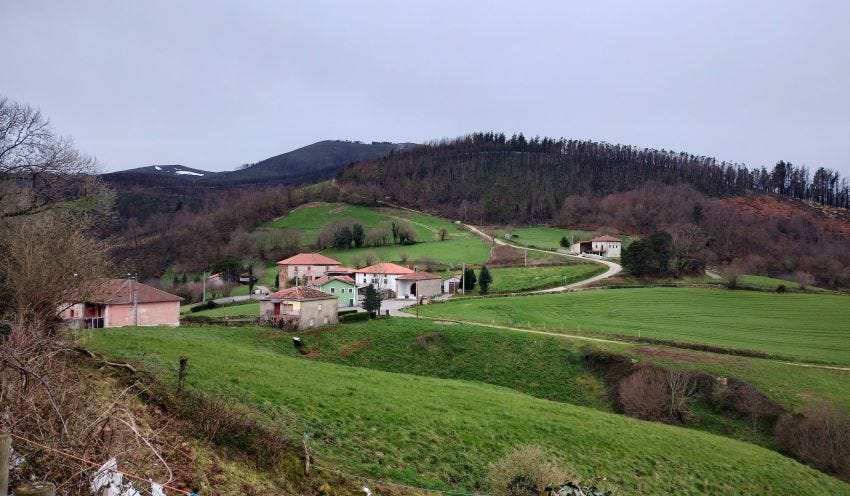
(309, 259)
(347, 270)
(319, 281)
(606, 238)
(299, 293)
(417, 276)
(120, 292)
(384, 268)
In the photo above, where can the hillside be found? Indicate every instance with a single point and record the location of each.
(169, 171)
(309, 164)
(443, 433)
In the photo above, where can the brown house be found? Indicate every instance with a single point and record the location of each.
(301, 307)
(304, 268)
(123, 302)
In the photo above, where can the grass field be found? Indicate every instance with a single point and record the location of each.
(548, 237)
(460, 246)
(443, 433)
(251, 308)
(803, 326)
(515, 279)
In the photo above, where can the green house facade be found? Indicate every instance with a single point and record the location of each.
(342, 287)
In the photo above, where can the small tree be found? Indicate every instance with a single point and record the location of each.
(484, 280)
(804, 279)
(251, 279)
(732, 274)
(444, 234)
(358, 235)
(469, 279)
(175, 280)
(185, 279)
(372, 301)
(564, 242)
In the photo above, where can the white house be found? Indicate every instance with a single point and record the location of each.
(452, 284)
(604, 246)
(383, 276)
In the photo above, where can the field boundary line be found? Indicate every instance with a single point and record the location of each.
(622, 341)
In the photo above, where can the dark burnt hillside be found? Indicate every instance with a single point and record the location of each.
(490, 178)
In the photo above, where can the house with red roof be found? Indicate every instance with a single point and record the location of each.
(301, 307)
(123, 302)
(383, 276)
(603, 246)
(343, 287)
(304, 268)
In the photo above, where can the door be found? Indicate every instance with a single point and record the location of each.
(351, 302)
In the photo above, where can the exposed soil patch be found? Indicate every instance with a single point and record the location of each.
(684, 356)
(354, 348)
(430, 339)
(341, 208)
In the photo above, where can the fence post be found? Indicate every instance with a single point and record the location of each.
(36, 489)
(306, 455)
(5, 459)
(181, 375)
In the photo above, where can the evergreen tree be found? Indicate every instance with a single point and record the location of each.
(564, 242)
(484, 280)
(358, 235)
(251, 279)
(469, 279)
(372, 301)
(175, 281)
(650, 256)
(185, 279)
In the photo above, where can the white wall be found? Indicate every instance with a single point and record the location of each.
(381, 281)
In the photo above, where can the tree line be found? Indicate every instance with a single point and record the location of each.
(490, 177)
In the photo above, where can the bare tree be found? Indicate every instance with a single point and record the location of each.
(38, 168)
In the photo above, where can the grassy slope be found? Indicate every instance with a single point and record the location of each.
(443, 433)
(548, 237)
(805, 326)
(460, 246)
(514, 279)
(251, 308)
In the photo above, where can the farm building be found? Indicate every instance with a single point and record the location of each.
(123, 302)
(341, 271)
(304, 268)
(383, 276)
(604, 246)
(418, 284)
(342, 287)
(300, 306)
(451, 285)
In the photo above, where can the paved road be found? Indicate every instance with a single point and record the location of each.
(613, 268)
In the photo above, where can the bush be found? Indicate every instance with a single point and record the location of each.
(659, 395)
(524, 472)
(354, 317)
(209, 305)
(346, 312)
(821, 438)
(781, 288)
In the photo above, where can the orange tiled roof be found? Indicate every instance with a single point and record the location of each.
(298, 293)
(309, 259)
(384, 268)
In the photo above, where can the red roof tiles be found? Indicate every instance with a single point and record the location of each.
(299, 293)
(120, 292)
(309, 259)
(605, 239)
(384, 268)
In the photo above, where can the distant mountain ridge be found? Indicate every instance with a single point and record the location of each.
(308, 164)
(169, 170)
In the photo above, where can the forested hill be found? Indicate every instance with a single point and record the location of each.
(308, 164)
(499, 179)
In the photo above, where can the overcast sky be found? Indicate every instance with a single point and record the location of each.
(213, 84)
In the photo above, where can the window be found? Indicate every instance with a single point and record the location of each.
(311, 323)
(320, 307)
(72, 313)
(333, 290)
(350, 290)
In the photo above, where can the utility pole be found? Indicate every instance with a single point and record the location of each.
(204, 299)
(134, 289)
(526, 257)
(416, 294)
(463, 277)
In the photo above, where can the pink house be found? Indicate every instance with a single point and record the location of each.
(124, 302)
(304, 268)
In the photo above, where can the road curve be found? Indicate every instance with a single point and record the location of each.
(613, 268)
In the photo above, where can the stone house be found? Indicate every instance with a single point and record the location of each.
(301, 306)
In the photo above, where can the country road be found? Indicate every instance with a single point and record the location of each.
(613, 268)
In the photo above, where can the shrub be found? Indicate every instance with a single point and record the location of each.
(345, 312)
(821, 438)
(732, 273)
(354, 317)
(209, 305)
(781, 288)
(656, 394)
(526, 471)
